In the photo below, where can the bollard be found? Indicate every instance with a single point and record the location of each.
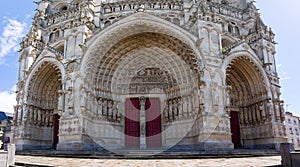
(285, 152)
(11, 154)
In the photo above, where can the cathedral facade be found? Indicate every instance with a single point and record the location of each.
(148, 74)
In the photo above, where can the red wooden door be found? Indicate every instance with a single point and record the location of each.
(55, 130)
(235, 129)
(132, 124)
(153, 123)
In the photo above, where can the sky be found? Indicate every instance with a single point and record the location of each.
(284, 19)
(15, 19)
(282, 16)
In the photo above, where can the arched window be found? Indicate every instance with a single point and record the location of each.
(51, 37)
(64, 8)
(223, 27)
(57, 34)
(237, 30)
(61, 48)
(230, 29)
(107, 23)
(54, 34)
(60, 7)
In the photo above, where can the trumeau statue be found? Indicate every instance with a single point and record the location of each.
(85, 64)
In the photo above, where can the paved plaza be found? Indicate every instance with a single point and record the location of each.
(270, 161)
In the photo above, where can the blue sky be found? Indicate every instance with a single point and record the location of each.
(15, 18)
(282, 16)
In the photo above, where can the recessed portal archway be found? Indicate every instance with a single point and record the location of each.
(43, 104)
(161, 68)
(248, 97)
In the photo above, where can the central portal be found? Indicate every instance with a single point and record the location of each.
(142, 123)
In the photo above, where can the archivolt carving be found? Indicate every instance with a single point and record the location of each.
(43, 96)
(250, 96)
(131, 25)
(159, 50)
(246, 81)
(145, 63)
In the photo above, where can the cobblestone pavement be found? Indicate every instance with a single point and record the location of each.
(221, 162)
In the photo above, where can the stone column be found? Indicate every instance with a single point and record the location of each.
(110, 110)
(166, 111)
(227, 99)
(20, 113)
(25, 113)
(180, 108)
(185, 107)
(142, 123)
(16, 115)
(277, 111)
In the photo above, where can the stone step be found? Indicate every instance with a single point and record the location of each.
(151, 154)
(30, 165)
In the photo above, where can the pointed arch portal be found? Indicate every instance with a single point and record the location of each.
(159, 67)
(247, 95)
(42, 100)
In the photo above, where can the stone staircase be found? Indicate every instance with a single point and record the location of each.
(151, 154)
(144, 154)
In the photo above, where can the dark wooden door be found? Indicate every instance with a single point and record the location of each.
(55, 130)
(235, 129)
(153, 123)
(132, 124)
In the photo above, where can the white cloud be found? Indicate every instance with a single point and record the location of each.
(284, 75)
(13, 31)
(7, 101)
(278, 65)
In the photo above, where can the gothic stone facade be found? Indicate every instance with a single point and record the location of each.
(180, 74)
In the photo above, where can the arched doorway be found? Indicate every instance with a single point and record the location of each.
(151, 132)
(43, 94)
(150, 65)
(143, 113)
(248, 96)
(158, 67)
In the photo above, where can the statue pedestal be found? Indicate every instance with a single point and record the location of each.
(143, 142)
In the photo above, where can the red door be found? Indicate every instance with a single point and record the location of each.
(55, 130)
(132, 124)
(235, 129)
(153, 123)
